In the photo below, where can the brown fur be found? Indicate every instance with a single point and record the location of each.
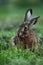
(27, 37)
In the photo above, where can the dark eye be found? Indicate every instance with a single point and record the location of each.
(25, 27)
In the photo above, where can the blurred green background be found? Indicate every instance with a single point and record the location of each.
(12, 14)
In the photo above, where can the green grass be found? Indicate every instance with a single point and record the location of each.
(14, 56)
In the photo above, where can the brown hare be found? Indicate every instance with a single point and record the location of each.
(25, 34)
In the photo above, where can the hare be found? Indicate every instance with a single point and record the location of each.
(25, 34)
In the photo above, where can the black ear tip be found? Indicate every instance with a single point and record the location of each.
(36, 19)
(29, 10)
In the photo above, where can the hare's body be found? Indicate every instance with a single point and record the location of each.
(31, 40)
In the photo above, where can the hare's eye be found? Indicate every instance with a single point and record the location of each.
(25, 27)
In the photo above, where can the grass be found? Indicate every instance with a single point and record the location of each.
(9, 24)
(13, 56)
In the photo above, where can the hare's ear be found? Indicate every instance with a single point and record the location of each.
(28, 15)
(34, 20)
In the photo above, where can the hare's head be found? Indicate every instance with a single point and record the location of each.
(24, 28)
